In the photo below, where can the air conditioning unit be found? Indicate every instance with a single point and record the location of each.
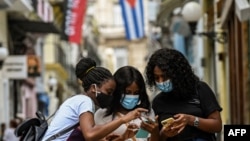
(6, 3)
(242, 9)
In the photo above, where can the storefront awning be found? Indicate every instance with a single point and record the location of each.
(35, 26)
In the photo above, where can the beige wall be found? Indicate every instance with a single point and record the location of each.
(3, 28)
(137, 54)
(50, 43)
(4, 85)
(137, 51)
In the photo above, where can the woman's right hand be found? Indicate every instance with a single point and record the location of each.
(168, 131)
(136, 113)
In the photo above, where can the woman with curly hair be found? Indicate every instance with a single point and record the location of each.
(190, 102)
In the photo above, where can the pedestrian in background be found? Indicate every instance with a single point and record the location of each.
(98, 84)
(130, 93)
(9, 134)
(184, 97)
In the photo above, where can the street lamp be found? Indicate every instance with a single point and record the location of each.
(191, 12)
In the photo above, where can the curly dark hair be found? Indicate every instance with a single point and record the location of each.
(89, 74)
(124, 77)
(176, 67)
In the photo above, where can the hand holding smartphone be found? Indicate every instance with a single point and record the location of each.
(167, 122)
(145, 118)
(142, 133)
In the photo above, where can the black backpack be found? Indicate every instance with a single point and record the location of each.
(32, 129)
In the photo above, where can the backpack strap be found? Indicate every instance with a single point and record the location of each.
(51, 116)
(63, 132)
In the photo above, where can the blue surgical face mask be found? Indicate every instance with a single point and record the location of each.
(165, 86)
(129, 101)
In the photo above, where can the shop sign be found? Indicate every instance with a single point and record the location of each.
(21, 66)
(15, 67)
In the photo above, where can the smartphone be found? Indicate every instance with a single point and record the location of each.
(147, 119)
(141, 133)
(144, 119)
(167, 122)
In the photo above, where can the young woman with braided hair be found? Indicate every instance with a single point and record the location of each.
(189, 101)
(98, 84)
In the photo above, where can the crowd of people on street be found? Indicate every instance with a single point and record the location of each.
(116, 107)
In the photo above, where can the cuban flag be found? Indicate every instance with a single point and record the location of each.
(133, 16)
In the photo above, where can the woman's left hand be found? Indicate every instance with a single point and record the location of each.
(151, 125)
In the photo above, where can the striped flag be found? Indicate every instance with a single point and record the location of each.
(133, 16)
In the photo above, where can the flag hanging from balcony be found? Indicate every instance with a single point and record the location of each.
(73, 19)
(133, 17)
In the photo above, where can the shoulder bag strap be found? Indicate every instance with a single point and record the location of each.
(63, 132)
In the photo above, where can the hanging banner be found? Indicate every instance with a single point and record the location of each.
(73, 20)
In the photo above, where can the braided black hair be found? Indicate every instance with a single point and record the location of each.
(176, 67)
(89, 74)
